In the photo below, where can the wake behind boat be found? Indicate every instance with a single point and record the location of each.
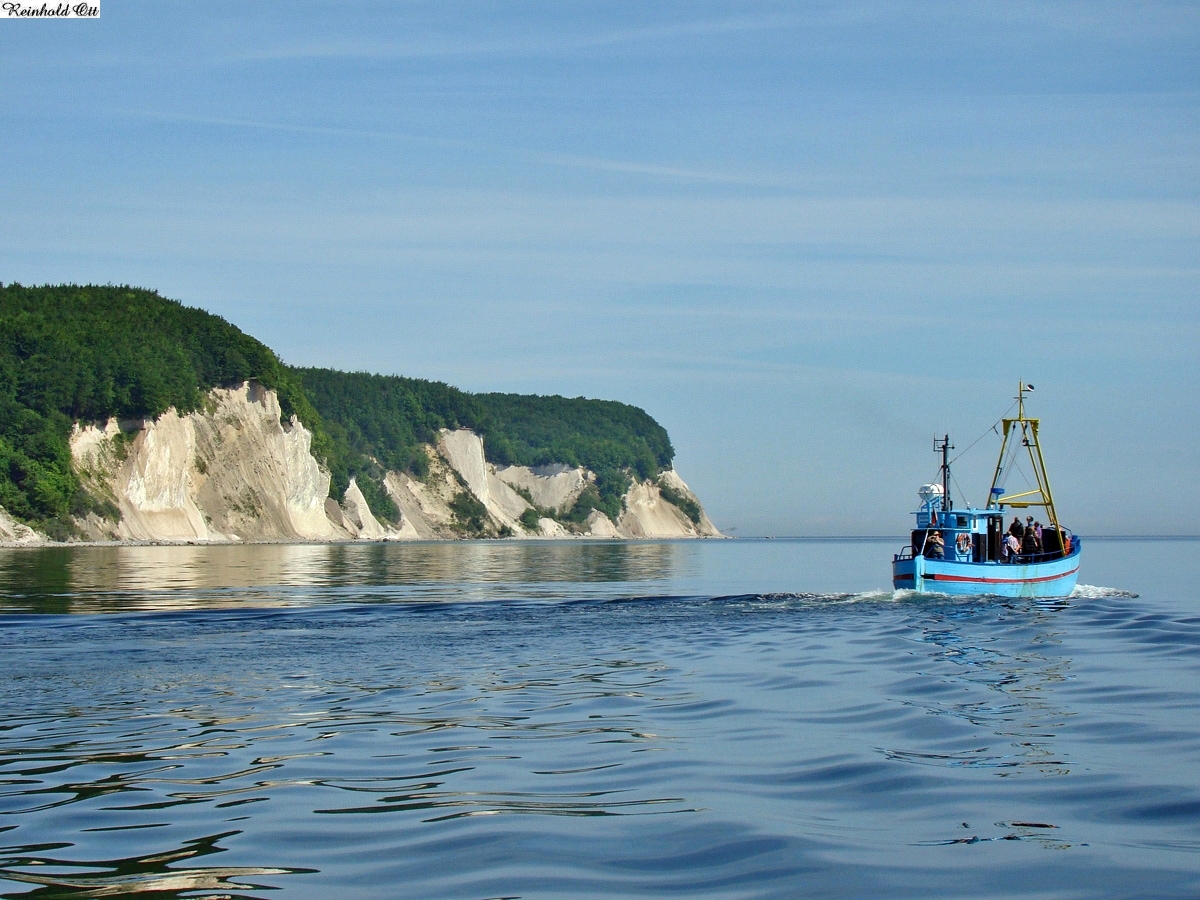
(969, 551)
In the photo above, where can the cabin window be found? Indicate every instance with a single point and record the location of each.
(962, 521)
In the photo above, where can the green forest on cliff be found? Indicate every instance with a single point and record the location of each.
(87, 353)
(387, 418)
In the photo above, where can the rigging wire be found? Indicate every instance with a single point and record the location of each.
(966, 450)
(961, 492)
(969, 447)
(1012, 466)
(991, 428)
(1014, 453)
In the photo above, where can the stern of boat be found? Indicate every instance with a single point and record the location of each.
(1042, 578)
(908, 571)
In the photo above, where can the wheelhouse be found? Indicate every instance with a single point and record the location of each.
(968, 535)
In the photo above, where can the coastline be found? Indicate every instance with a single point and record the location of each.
(554, 538)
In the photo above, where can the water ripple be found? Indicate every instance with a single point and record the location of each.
(602, 722)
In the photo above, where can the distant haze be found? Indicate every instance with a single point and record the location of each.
(806, 238)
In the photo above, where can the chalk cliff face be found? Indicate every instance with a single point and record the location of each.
(13, 532)
(506, 494)
(648, 515)
(234, 471)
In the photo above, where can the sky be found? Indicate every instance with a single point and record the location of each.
(805, 237)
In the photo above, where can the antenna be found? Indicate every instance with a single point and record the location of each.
(1022, 389)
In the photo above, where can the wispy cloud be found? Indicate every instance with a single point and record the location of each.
(433, 45)
(542, 157)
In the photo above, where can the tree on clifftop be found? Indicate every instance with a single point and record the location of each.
(88, 353)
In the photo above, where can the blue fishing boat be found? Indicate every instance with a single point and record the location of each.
(970, 551)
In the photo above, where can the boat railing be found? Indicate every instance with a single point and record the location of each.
(907, 552)
(1047, 556)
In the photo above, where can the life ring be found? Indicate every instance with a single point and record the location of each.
(963, 543)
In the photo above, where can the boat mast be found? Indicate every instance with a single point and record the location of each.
(1041, 496)
(945, 447)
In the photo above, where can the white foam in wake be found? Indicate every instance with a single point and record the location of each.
(871, 596)
(902, 594)
(1093, 592)
(860, 597)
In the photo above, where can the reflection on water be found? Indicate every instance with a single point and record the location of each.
(314, 728)
(157, 874)
(1008, 694)
(93, 579)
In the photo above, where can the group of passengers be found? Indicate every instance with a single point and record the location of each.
(1021, 540)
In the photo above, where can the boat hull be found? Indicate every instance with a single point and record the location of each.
(1052, 578)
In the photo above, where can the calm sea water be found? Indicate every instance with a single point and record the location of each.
(481, 720)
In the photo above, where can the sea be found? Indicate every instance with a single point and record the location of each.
(504, 719)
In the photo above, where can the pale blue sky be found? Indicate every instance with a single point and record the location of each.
(805, 237)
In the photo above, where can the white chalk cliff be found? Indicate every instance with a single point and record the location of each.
(230, 471)
(234, 471)
(15, 533)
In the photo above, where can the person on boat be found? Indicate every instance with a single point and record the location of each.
(1016, 529)
(1029, 543)
(935, 547)
(1011, 547)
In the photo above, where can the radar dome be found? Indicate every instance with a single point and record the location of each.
(930, 492)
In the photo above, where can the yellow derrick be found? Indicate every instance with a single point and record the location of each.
(1041, 495)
